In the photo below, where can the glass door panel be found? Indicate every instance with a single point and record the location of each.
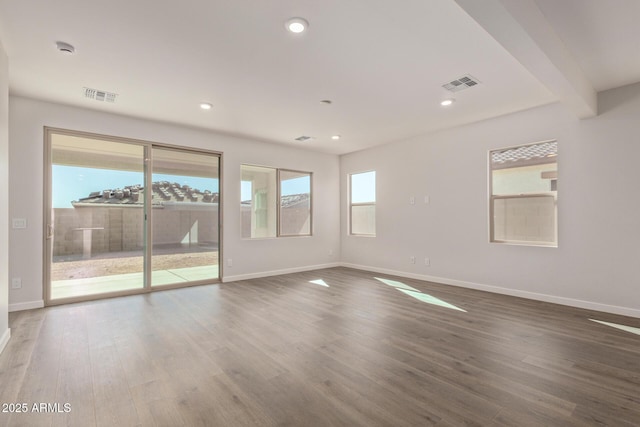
(185, 216)
(96, 229)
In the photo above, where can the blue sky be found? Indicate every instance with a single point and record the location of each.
(363, 187)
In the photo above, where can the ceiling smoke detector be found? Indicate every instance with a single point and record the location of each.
(100, 95)
(304, 138)
(464, 82)
(65, 48)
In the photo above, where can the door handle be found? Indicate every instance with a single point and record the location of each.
(49, 231)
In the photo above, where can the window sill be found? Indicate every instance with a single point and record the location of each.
(524, 243)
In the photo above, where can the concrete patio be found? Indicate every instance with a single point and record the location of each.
(120, 282)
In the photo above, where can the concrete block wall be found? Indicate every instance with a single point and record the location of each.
(132, 230)
(172, 226)
(530, 219)
(295, 219)
(122, 229)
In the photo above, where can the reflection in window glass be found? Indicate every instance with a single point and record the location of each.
(258, 201)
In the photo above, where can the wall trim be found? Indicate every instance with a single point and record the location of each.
(5, 339)
(29, 305)
(261, 274)
(588, 305)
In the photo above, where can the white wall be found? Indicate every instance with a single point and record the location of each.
(250, 257)
(599, 183)
(597, 262)
(4, 198)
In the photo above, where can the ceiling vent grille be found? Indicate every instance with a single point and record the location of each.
(100, 95)
(304, 138)
(464, 82)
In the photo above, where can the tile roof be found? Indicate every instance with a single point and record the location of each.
(165, 192)
(525, 153)
(133, 195)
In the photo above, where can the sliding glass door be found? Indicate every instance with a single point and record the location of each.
(125, 216)
(96, 228)
(185, 217)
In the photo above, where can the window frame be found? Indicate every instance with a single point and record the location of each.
(492, 198)
(351, 204)
(278, 207)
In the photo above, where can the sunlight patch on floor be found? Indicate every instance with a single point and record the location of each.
(617, 326)
(396, 284)
(430, 299)
(319, 282)
(420, 296)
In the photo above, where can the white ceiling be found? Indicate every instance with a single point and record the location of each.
(604, 37)
(382, 63)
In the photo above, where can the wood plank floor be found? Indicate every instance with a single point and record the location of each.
(282, 351)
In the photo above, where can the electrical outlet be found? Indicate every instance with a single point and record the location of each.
(412, 200)
(16, 283)
(426, 200)
(412, 259)
(330, 252)
(427, 262)
(229, 262)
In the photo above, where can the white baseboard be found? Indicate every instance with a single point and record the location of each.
(29, 305)
(614, 309)
(5, 339)
(589, 305)
(227, 279)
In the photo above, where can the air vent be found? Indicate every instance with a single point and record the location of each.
(100, 95)
(464, 82)
(304, 138)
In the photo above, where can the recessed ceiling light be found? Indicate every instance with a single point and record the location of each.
(65, 48)
(335, 137)
(447, 102)
(297, 25)
(206, 106)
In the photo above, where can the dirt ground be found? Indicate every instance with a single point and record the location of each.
(96, 267)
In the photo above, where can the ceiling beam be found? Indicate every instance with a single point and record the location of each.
(521, 28)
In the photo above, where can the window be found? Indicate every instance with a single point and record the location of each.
(362, 204)
(274, 202)
(295, 203)
(524, 195)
